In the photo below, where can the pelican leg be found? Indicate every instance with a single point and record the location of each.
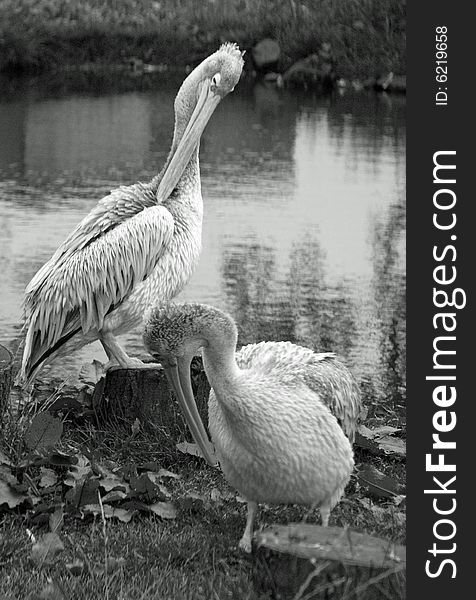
(245, 542)
(325, 514)
(111, 362)
(115, 351)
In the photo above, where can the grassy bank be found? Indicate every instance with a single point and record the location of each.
(366, 36)
(190, 555)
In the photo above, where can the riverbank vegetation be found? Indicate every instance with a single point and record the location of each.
(366, 37)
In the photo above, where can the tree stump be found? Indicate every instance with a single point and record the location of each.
(300, 560)
(6, 377)
(125, 395)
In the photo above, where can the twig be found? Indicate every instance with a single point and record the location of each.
(104, 531)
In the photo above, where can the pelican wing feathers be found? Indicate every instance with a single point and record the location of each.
(321, 372)
(114, 248)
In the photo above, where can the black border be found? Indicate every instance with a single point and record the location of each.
(430, 129)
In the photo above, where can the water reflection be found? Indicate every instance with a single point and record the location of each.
(304, 217)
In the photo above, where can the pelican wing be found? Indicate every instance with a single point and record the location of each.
(115, 208)
(322, 372)
(92, 272)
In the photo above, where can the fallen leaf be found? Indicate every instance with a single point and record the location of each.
(84, 492)
(109, 512)
(113, 482)
(385, 430)
(7, 475)
(78, 472)
(165, 510)
(44, 432)
(144, 486)
(114, 496)
(59, 459)
(122, 514)
(56, 519)
(48, 477)
(46, 549)
(91, 373)
(10, 496)
(378, 441)
(165, 473)
(188, 448)
(392, 445)
(377, 483)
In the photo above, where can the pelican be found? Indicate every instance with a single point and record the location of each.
(270, 409)
(141, 242)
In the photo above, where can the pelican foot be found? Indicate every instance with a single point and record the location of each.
(131, 363)
(136, 363)
(245, 544)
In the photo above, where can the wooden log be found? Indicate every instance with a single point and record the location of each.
(300, 560)
(6, 378)
(145, 394)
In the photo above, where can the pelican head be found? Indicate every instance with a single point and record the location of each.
(196, 100)
(173, 334)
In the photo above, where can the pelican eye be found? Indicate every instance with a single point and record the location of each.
(216, 79)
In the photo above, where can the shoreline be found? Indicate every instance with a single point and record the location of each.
(360, 41)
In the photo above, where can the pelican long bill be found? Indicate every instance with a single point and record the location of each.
(178, 374)
(206, 104)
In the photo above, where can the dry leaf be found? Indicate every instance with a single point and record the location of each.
(113, 482)
(109, 512)
(48, 477)
(114, 496)
(59, 459)
(10, 496)
(188, 448)
(44, 432)
(78, 472)
(84, 492)
(56, 519)
(165, 510)
(165, 473)
(7, 475)
(377, 483)
(91, 373)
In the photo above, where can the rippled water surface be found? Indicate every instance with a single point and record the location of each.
(304, 224)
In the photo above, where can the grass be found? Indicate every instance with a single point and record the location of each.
(366, 36)
(193, 556)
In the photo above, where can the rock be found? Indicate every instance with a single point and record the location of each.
(266, 54)
(310, 72)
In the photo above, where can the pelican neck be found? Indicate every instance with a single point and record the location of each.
(220, 367)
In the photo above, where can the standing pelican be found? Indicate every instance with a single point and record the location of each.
(270, 409)
(139, 243)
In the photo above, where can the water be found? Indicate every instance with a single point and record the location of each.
(304, 226)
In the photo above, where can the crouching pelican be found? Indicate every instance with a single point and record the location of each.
(270, 409)
(140, 243)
